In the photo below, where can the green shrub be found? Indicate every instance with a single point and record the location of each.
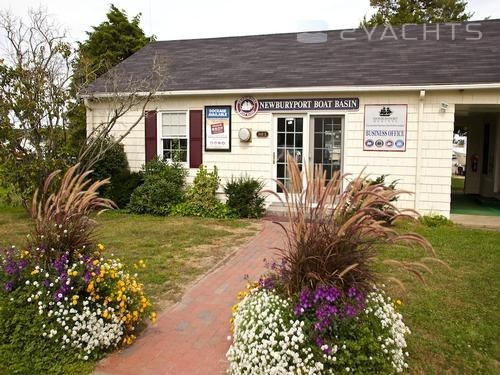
(433, 221)
(164, 187)
(114, 165)
(121, 188)
(219, 211)
(244, 197)
(201, 197)
(23, 349)
(113, 162)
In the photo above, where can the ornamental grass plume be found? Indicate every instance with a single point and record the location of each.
(62, 218)
(333, 234)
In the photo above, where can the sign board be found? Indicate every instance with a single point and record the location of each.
(310, 104)
(385, 127)
(218, 128)
(248, 106)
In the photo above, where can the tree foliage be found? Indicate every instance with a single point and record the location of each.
(107, 44)
(398, 12)
(34, 100)
(40, 76)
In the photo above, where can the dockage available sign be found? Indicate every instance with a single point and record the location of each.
(218, 128)
(385, 127)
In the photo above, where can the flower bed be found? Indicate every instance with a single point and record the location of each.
(318, 309)
(63, 299)
(90, 304)
(322, 332)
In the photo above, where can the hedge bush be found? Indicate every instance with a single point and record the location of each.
(244, 197)
(201, 197)
(114, 165)
(164, 187)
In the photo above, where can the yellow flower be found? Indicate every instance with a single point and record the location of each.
(398, 302)
(90, 287)
(34, 272)
(95, 262)
(100, 246)
(152, 316)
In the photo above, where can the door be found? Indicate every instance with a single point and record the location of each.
(289, 140)
(327, 143)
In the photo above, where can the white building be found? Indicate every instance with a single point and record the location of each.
(386, 100)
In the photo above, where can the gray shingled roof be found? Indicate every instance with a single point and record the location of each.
(280, 60)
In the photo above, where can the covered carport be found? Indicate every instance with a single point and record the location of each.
(480, 192)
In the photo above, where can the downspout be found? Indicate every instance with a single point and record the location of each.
(418, 165)
(89, 120)
(496, 182)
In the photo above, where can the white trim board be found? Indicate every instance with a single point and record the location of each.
(311, 89)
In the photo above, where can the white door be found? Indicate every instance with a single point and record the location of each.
(289, 139)
(326, 143)
(311, 140)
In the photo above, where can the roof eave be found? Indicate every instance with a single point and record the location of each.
(309, 89)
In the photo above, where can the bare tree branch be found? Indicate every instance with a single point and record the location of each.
(121, 99)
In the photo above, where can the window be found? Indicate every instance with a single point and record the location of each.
(174, 139)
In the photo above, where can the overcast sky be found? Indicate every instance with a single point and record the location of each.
(182, 19)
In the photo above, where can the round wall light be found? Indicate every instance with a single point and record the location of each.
(245, 135)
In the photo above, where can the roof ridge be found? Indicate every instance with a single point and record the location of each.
(318, 31)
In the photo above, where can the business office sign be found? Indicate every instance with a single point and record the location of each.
(385, 127)
(247, 106)
(218, 128)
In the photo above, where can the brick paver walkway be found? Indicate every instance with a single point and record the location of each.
(190, 338)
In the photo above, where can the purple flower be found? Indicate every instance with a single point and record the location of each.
(266, 283)
(305, 303)
(326, 293)
(87, 276)
(352, 292)
(319, 341)
(8, 286)
(350, 311)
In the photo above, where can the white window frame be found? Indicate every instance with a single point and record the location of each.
(159, 132)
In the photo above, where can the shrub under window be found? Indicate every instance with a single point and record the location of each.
(163, 187)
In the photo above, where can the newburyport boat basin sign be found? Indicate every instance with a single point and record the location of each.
(248, 106)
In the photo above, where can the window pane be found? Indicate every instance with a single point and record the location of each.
(175, 149)
(174, 124)
(281, 124)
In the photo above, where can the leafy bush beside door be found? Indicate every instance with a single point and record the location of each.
(244, 197)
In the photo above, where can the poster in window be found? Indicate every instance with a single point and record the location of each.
(385, 127)
(218, 128)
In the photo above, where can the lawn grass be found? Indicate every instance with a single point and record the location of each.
(176, 250)
(455, 318)
(457, 183)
